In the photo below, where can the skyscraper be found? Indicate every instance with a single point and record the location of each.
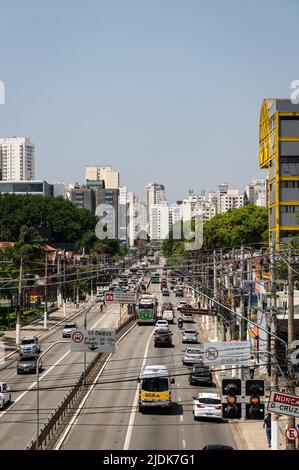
(17, 162)
(102, 172)
(155, 195)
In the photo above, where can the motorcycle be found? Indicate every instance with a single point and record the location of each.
(180, 324)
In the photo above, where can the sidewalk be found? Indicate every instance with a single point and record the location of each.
(37, 326)
(249, 435)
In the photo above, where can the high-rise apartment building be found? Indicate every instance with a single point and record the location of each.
(102, 172)
(155, 195)
(17, 159)
(257, 192)
(159, 221)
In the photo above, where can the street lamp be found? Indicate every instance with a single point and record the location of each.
(37, 387)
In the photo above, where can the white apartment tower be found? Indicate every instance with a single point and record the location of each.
(159, 221)
(155, 195)
(17, 159)
(103, 172)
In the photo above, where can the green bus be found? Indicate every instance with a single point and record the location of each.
(155, 278)
(147, 309)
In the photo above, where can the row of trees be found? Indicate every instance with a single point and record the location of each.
(247, 225)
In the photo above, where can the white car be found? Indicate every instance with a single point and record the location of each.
(181, 303)
(190, 336)
(167, 315)
(188, 318)
(207, 405)
(68, 329)
(193, 356)
(5, 395)
(161, 323)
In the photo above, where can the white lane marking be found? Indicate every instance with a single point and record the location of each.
(184, 443)
(74, 418)
(179, 398)
(178, 384)
(135, 402)
(181, 418)
(43, 375)
(33, 384)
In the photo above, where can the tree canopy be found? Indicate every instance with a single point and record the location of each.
(244, 226)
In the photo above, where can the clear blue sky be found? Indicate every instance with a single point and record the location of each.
(164, 90)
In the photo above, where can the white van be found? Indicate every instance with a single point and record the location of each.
(167, 315)
(155, 388)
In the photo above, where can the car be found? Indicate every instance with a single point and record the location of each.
(161, 323)
(100, 297)
(167, 306)
(192, 356)
(27, 364)
(179, 292)
(190, 336)
(165, 291)
(163, 337)
(207, 405)
(200, 374)
(68, 328)
(5, 395)
(29, 345)
(188, 318)
(181, 304)
(168, 315)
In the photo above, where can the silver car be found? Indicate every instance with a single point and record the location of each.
(193, 356)
(68, 329)
(29, 346)
(190, 336)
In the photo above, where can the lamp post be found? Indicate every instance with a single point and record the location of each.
(37, 387)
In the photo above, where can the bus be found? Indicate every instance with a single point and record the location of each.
(155, 278)
(147, 309)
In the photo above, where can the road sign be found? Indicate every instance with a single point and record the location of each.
(283, 403)
(93, 340)
(121, 297)
(109, 296)
(226, 352)
(189, 310)
(291, 433)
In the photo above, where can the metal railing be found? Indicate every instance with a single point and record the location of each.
(59, 419)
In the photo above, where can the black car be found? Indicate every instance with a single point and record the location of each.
(27, 365)
(200, 374)
(163, 337)
(217, 447)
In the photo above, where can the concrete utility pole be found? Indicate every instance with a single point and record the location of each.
(64, 287)
(46, 293)
(77, 286)
(19, 306)
(222, 292)
(215, 296)
(58, 281)
(273, 355)
(291, 385)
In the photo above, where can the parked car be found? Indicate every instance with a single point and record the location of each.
(29, 345)
(68, 329)
(190, 336)
(200, 374)
(5, 395)
(188, 317)
(193, 356)
(207, 405)
(163, 337)
(27, 364)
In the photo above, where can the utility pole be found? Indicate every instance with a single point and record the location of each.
(64, 287)
(291, 386)
(46, 293)
(77, 287)
(215, 306)
(19, 306)
(273, 355)
(58, 281)
(222, 292)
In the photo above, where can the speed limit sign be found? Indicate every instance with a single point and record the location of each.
(291, 433)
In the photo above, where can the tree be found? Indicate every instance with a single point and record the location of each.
(245, 199)
(244, 226)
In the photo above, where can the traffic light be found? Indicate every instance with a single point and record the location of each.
(231, 398)
(255, 399)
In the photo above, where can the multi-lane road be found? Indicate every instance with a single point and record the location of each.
(61, 369)
(110, 418)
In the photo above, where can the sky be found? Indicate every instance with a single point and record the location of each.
(166, 91)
